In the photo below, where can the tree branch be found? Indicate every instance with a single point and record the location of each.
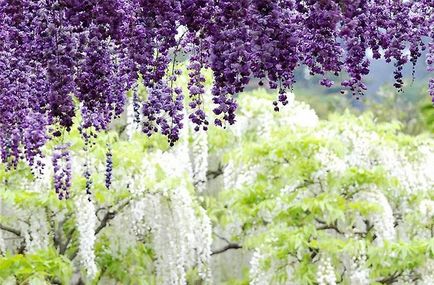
(10, 229)
(369, 227)
(107, 217)
(213, 174)
(110, 216)
(226, 248)
(326, 226)
(390, 279)
(63, 247)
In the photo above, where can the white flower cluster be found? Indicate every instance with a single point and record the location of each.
(330, 162)
(294, 115)
(413, 173)
(200, 159)
(384, 221)
(359, 272)
(123, 237)
(180, 230)
(37, 233)
(181, 239)
(426, 209)
(427, 273)
(86, 225)
(137, 214)
(298, 114)
(241, 126)
(229, 176)
(325, 273)
(264, 125)
(366, 149)
(361, 144)
(237, 176)
(259, 276)
(181, 152)
(204, 236)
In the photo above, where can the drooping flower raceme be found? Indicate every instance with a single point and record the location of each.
(181, 239)
(109, 168)
(86, 225)
(383, 221)
(200, 159)
(62, 167)
(164, 212)
(38, 231)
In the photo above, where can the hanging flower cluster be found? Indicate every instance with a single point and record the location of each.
(179, 230)
(37, 236)
(109, 167)
(383, 222)
(86, 224)
(55, 51)
(180, 239)
(62, 171)
(200, 160)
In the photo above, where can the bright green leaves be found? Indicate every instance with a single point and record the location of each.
(326, 191)
(45, 264)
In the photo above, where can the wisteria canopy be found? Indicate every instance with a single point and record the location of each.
(61, 59)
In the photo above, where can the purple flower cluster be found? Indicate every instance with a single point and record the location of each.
(136, 108)
(196, 88)
(62, 171)
(108, 167)
(430, 55)
(162, 112)
(88, 177)
(53, 51)
(99, 85)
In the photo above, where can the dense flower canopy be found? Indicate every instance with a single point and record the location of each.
(59, 58)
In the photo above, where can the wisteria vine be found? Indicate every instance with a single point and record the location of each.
(54, 53)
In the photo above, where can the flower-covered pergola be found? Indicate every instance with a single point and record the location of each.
(61, 58)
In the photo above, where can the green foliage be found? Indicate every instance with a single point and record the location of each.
(302, 204)
(46, 264)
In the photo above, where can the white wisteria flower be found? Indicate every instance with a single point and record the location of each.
(199, 154)
(326, 273)
(86, 225)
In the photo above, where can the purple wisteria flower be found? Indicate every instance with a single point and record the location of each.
(60, 57)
